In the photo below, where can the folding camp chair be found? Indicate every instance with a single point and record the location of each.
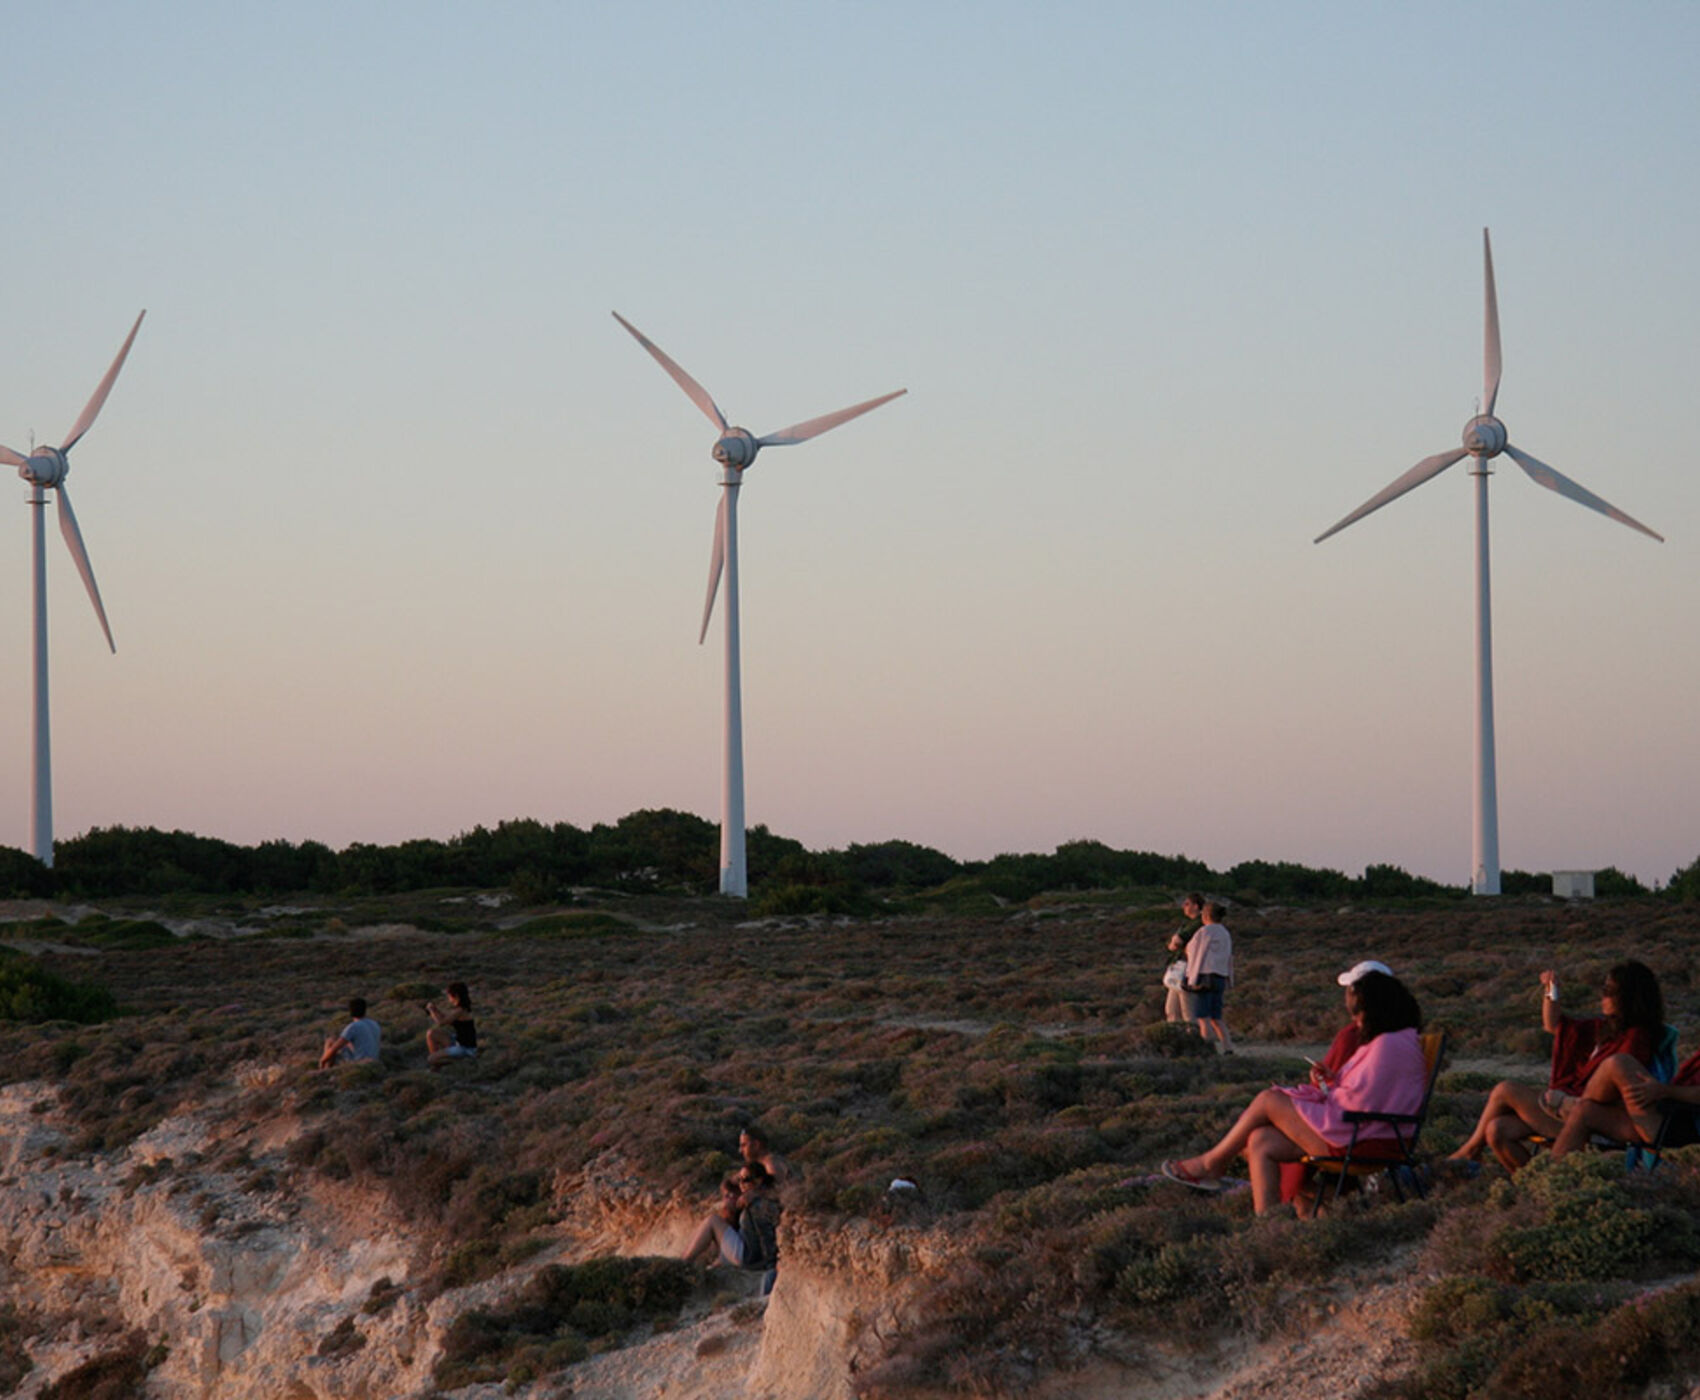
(1639, 1154)
(1395, 1155)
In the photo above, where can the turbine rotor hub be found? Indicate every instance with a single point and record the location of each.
(736, 449)
(1484, 436)
(46, 466)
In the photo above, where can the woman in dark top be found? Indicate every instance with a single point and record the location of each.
(1631, 1021)
(454, 1036)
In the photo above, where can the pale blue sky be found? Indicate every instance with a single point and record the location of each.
(399, 532)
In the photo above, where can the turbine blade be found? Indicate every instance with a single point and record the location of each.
(1490, 332)
(80, 557)
(11, 458)
(802, 432)
(698, 395)
(92, 409)
(1429, 466)
(716, 561)
(1543, 475)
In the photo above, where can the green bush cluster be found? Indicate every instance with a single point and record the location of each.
(29, 992)
(561, 1315)
(662, 849)
(1541, 1293)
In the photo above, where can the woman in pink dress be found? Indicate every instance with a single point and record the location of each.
(1387, 1074)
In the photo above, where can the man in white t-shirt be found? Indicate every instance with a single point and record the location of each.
(358, 1040)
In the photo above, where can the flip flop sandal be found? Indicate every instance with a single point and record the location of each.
(1176, 1172)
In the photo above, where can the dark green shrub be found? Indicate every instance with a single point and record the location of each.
(579, 924)
(1176, 1040)
(560, 1315)
(125, 935)
(29, 992)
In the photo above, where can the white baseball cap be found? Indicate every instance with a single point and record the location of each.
(1363, 969)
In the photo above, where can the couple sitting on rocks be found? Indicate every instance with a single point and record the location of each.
(743, 1230)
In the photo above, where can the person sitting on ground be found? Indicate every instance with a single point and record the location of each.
(454, 1036)
(753, 1146)
(1631, 1023)
(358, 1040)
(743, 1230)
(1621, 1102)
(1327, 1070)
(1209, 969)
(1174, 976)
(1387, 1074)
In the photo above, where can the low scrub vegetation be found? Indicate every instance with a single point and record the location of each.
(561, 1315)
(1008, 1057)
(665, 851)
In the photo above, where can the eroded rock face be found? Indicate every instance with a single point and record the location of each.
(239, 1278)
(254, 1282)
(842, 1289)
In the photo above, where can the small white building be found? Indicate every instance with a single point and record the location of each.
(1573, 884)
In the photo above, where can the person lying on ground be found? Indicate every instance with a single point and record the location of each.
(1387, 1074)
(358, 1040)
(743, 1229)
(1631, 1021)
(1622, 1102)
(453, 1036)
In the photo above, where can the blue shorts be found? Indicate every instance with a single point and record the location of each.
(1204, 1000)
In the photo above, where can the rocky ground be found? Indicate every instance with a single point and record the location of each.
(201, 1246)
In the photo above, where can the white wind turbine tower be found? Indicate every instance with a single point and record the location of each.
(45, 470)
(735, 450)
(1484, 439)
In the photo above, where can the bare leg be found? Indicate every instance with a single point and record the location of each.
(1265, 1151)
(710, 1240)
(1270, 1109)
(1508, 1137)
(1517, 1108)
(1603, 1108)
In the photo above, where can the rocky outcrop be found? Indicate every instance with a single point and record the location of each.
(842, 1291)
(247, 1281)
(239, 1284)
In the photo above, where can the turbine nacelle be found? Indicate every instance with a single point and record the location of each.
(46, 466)
(736, 448)
(1484, 436)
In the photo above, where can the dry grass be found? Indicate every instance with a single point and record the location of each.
(1006, 1061)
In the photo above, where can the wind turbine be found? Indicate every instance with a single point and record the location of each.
(1484, 439)
(735, 450)
(45, 470)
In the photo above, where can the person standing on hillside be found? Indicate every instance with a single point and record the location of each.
(1174, 976)
(1209, 969)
